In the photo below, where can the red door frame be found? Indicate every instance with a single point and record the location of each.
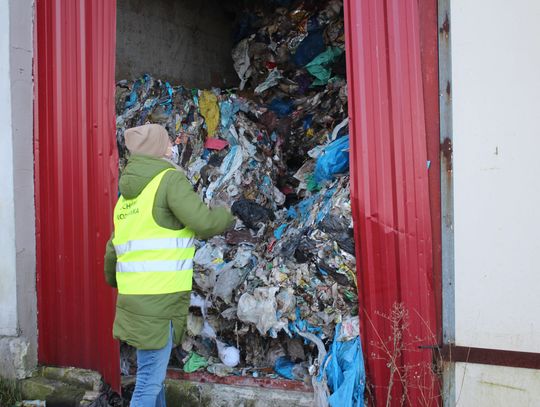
(393, 90)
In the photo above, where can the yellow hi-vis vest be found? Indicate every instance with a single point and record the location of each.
(150, 259)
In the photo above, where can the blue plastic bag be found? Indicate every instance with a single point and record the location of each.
(284, 367)
(290, 370)
(309, 48)
(291, 213)
(132, 98)
(304, 207)
(345, 372)
(228, 109)
(333, 160)
(281, 107)
(327, 204)
(301, 325)
(278, 233)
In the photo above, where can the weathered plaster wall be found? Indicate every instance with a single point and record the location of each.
(187, 42)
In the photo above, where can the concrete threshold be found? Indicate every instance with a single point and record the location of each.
(207, 390)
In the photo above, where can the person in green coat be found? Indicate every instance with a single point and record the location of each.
(149, 256)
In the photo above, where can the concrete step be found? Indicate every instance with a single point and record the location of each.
(54, 392)
(62, 387)
(87, 379)
(187, 393)
(191, 394)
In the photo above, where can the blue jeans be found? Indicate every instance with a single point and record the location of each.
(151, 371)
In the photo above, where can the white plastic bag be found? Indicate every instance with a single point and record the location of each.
(242, 65)
(259, 308)
(229, 355)
(229, 279)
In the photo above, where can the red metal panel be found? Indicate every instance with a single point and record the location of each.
(430, 77)
(390, 198)
(76, 178)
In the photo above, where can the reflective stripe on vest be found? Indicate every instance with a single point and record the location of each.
(154, 266)
(150, 259)
(153, 244)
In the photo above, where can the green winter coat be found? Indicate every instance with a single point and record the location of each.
(143, 320)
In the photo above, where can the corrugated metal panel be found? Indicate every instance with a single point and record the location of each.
(76, 178)
(390, 197)
(430, 77)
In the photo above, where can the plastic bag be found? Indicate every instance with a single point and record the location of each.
(229, 279)
(345, 372)
(333, 160)
(281, 107)
(309, 48)
(199, 302)
(229, 355)
(194, 363)
(205, 279)
(219, 369)
(208, 331)
(286, 301)
(231, 163)
(320, 67)
(290, 370)
(228, 110)
(259, 308)
(243, 255)
(210, 111)
(321, 392)
(338, 128)
(350, 329)
(271, 80)
(207, 255)
(215, 144)
(278, 232)
(242, 65)
(195, 325)
(251, 213)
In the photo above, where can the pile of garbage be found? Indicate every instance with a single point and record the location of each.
(273, 295)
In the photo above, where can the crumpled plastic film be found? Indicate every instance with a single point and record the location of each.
(259, 308)
(272, 80)
(241, 61)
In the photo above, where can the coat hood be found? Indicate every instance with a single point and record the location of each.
(139, 171)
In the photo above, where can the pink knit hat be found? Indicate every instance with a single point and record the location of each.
(150, 139)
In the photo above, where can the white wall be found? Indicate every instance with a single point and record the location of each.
(18, 302)
(21, 15)
(495, 53)
(8, 287)
(482, 385)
